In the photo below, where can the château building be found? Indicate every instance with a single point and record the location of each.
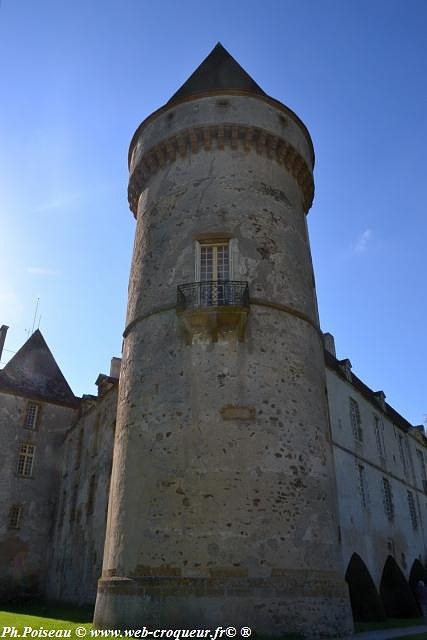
(231, 469)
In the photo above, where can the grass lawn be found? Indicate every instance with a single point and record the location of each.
(56, 616)
(48, 616)
(390, 623)
(417, 636)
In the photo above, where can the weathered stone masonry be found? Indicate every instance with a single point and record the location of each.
(211, 516)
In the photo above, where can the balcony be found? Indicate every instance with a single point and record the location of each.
(213, 307)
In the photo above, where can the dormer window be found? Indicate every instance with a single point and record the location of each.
(32, 415)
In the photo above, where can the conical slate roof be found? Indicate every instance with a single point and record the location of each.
(33, 371)
(219, 70)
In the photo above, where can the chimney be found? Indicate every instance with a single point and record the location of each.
(329, 343)
(115, 367)
(3, 331)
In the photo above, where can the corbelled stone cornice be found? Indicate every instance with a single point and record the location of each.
(219, 136)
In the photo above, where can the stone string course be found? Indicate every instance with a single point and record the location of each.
(235, 136)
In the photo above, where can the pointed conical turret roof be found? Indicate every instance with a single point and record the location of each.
(33, 371)
(219, 70)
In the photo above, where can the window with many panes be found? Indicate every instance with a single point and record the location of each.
(363, 486)
(422, 465)
(26, 460)
(379, 436)
(412, 510)
(31, 416)
(214, 261)
(402, 454)
(15, 516)
(356, 423)
(213, 270)
(388, 499)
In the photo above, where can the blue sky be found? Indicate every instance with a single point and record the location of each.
(77, 79)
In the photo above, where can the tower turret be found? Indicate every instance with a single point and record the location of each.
(222, 507)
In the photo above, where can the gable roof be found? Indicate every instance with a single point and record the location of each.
(219, 70)
(33, 372)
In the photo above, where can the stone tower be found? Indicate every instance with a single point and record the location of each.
(222, 508)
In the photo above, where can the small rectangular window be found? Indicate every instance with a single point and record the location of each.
(31, 417)
(15, 515)
(388, 500)
(356, 423)
(26, 460)
(412, 510)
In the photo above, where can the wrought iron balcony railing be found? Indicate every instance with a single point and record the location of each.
(212, 293)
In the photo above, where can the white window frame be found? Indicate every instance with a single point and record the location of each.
(25, 464)
(31, 416)
(214, 243)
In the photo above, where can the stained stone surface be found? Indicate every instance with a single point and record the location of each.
(211, 520)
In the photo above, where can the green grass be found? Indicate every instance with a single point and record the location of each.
(390, 623)
(53, 616)
(48, 616)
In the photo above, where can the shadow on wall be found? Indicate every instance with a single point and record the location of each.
(418, 573)
(396, 594)
(365, 601)
(396, 598)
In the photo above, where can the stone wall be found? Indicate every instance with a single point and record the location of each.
(23, 550)
(233, 513)
(76, 558)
